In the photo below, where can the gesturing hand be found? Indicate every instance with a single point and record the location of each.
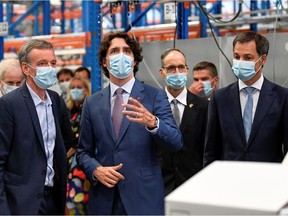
(136, 112)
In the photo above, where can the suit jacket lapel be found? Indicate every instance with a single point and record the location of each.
(106, 113)
(55, 110)
(235, 108)
(187, 112)
(136, 93)
(265, 100)
(33, 113)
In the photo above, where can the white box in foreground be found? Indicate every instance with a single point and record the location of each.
(232, 188)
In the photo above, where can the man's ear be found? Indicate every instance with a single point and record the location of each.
(264, 59)
(25, 68)
(162, 73)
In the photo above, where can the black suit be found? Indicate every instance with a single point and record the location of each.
(23, 162)
(180, 166)
(225, 138)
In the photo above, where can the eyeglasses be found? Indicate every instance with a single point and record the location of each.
(172, 68)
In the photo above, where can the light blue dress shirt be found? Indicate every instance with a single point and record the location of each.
(47, 124)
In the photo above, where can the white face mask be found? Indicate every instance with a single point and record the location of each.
(8, 88)
(64, 86)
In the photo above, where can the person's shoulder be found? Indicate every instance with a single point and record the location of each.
(275, 87)
(150, 88)
(53, 93)
(12, 95)
(194, 97)
(97, 95)
(227, 88)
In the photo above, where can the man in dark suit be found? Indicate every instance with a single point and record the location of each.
(32, 153)
(248, 124)
(192, 117)
(119, 156)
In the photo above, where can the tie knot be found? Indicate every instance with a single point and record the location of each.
(119, 91)
(249, 90)
(175, 101)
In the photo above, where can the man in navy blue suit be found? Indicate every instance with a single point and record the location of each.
(261, 134)
(32, 153)
(120, 158)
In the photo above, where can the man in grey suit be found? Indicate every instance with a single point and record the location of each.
(248, 120)
(177, 167)
(117, 147)
(32, 153)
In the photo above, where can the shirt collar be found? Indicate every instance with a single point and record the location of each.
(181, 97)
(127, 87)
(258, 84)
(36, 99)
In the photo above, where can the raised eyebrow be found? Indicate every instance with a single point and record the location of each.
(127, 49)
(114, 49)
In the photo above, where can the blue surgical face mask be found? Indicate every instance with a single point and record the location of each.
(45, 77)
(120, 65)
(8, 88)
(244, 70)
(176, 80)
(207, 89)
(77, 94)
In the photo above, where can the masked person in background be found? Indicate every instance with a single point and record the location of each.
(11, 76)
(64, 77)
(205, 79)
(248, 120)
(190, 113)
(78, 185)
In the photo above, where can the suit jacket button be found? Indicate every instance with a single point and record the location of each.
(40, 195)
(116, 151)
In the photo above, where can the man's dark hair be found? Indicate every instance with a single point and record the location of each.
(131, 42)
(83, 69)
(206, 65)
(65, 71)
(262, 44)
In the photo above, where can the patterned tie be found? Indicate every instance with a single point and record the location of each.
(247, 115)
(176, 112)
(117, 114)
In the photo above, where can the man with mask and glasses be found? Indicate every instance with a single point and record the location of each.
(11, 76)
(205, 79)
(32, 153)
(118, 130)
(190, 113)
(248, 120)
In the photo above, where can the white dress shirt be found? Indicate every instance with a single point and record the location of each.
(243, 96)
(182, 101)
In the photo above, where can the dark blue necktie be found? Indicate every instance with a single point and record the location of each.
(247, 115)
(117, 114)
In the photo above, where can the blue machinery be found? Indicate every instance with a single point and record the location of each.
(92, 22)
